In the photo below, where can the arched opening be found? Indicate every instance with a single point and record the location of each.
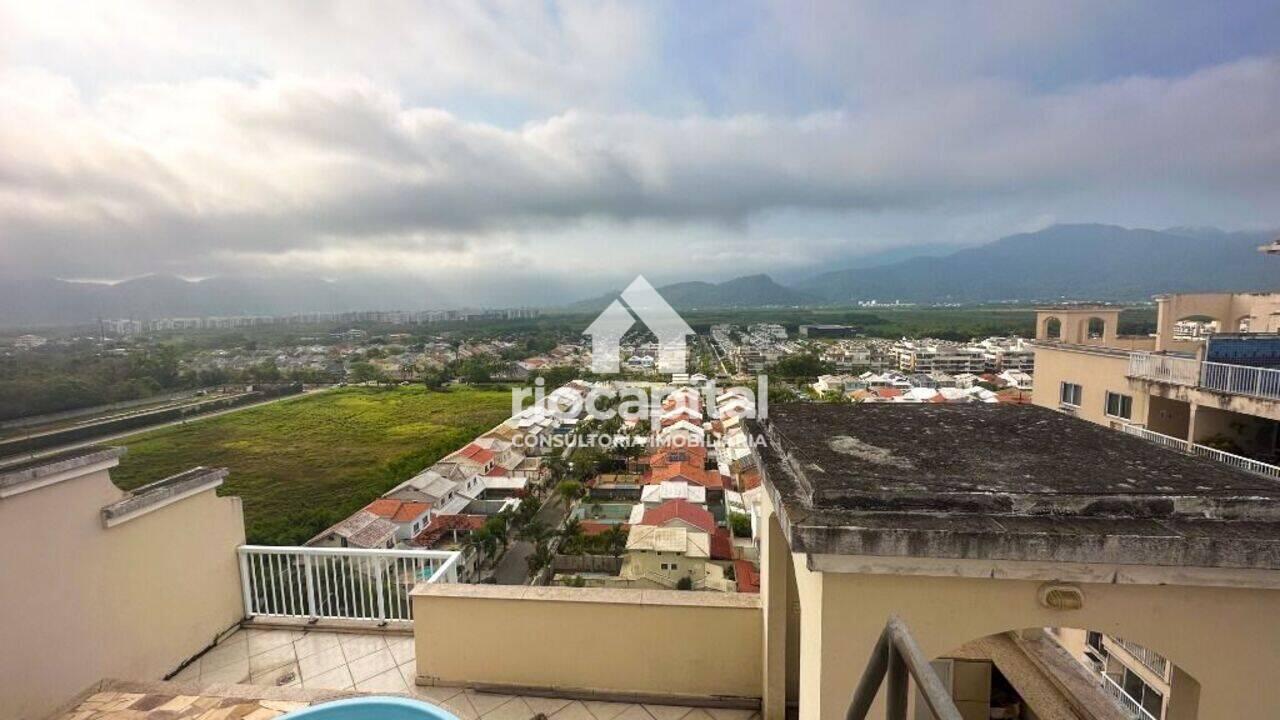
(1195, 327)
(1050, 672)
(1095, 328)
(1053, 328)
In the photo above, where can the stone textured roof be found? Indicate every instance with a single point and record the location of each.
(1006, 482)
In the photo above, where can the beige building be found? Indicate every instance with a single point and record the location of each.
(663, 556)
(1216, 395)
(96, 582)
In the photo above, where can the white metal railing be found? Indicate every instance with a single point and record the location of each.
(1125, 700)
(1216, 376)
(1152, 436)
(1156, 662)
(1165, 368)
(1241, 379)
(339, 583)
(1238, 461)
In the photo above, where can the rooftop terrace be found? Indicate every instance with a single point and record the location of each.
(1006, 483)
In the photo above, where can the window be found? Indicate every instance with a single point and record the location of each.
(1093, 639)
(1118, 405)
(1070, 393)
(1148, 697)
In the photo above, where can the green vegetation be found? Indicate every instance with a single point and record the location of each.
(804, 367)
(301, 465)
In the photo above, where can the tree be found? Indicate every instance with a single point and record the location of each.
(571, 537)
(741, 524)
(363, 372)
(540, 558)
(535, 531)
(483, 542)
(434, 377)
(555, 467)
(684, 583)
(615, 540)
(808, 365)
(569, 491)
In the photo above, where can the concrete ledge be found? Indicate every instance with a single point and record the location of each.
(597, 596)
(150, 498)
(655, 646)
(18, 478)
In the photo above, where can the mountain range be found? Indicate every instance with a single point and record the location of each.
(1062, 262)
(1077, 262)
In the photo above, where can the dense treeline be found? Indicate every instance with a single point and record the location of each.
(57, 378)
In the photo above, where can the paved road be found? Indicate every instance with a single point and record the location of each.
(101, 439)
(513, 568)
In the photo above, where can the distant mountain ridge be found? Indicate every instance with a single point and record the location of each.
(748, 291)
(1073, 262)
(1079, 262)
(26, 300)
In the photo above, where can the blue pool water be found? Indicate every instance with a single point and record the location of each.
(371, 708)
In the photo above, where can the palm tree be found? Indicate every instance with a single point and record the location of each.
(615, 539)
(540, 558)
(483, 542)
(535, 532)
(571, 537)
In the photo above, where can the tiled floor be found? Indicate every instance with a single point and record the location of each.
(381, 663)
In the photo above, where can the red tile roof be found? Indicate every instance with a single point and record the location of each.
(687, 453)
(888, 392)
(497, 471)
(592, 527)
(475, 453)
(689, 472)
(398, 511)
(747, 576)
(683, 510)
(442, 524)
(721, 545)
(749, 479)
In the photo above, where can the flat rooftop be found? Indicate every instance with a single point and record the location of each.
(1006, 482)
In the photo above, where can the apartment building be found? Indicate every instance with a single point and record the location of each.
(1216, 395)
(927, 357)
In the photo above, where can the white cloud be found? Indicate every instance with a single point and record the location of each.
(324, 138)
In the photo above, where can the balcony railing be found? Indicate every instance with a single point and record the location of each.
(1218, 377)
(1151, 436)
(1237, 461)
(338, 583)
(1154, 661)
(1125, 700)
(1241, 380)
(1165, 368)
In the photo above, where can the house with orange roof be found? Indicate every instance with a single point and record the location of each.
(679, 513)
(408, 516)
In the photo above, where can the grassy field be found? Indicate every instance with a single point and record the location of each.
(302, 464)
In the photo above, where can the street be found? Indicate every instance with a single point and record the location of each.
(513, 568)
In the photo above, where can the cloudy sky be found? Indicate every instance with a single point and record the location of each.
(568, 145)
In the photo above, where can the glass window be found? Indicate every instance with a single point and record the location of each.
(1120, 406)
(1070, 394)
(1152, 701)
